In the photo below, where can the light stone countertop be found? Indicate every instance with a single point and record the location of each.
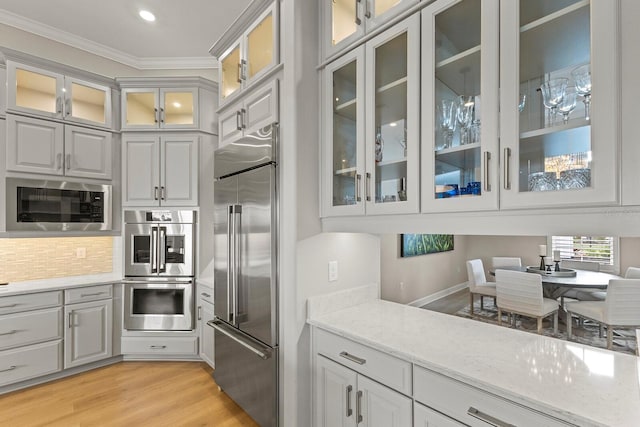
(584, 385)
(43, 285)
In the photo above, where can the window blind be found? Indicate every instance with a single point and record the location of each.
(585, 248)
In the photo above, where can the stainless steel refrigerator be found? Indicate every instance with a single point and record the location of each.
(245, 273)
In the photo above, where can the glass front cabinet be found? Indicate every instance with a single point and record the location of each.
(164, 108)
(460, 105)
(559, 102)
(371, 113)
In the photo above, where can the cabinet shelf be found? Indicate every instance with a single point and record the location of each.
(347, 109)
(392, 169)
(391, 102)
(559, 40)
(460, 157)
(350, 172)
(461, 72)
(573, 124)
(457, 149)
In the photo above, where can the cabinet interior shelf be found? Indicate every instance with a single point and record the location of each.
(456, 158)
(555, 15)
(461, 72)
(573, 124)
(457, 149)
(350, 172)
(347, 109)
(391, 102)
(392, 169)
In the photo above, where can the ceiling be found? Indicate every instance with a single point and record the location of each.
(179, 38)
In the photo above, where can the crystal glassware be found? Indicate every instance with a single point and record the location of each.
(447, 118)
(522, 99)
(568, 103)
(582, 77)
(464, 115)
(552, 95)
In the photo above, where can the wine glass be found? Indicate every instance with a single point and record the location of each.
(522, 99)
(568, 103)
(464, 115)
(447, 119)
(552, 95)
(582, 77)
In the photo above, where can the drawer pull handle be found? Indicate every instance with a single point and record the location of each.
(359, 407)
(199, 312)
(10, 368)
(487, 418)
(353, 358)
(157, 347)
(349, 410)
(92, 295)
(206, 295)
(8, 306)
(11, 332)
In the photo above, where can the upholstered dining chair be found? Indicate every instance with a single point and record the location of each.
(505, 261)
(632, 273)
(478, 283)
(520, 293)
(619, 310)
(581, 295)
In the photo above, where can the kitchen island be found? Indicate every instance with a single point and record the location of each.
(568, 382)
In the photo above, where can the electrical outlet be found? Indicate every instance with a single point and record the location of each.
(333, 271)
(81, 253)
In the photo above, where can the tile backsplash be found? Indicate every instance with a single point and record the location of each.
(45, 258)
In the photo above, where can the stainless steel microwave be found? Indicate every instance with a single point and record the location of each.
(43, 205)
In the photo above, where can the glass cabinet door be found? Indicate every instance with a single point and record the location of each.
(344, 135)
(559, 106)
(140, 108)
(87, 103)
(378, 12)
(343, 23)
(261, 45)
(230, 72)
(460, 105)
(392, 178)
(35, 91)
(177, 108)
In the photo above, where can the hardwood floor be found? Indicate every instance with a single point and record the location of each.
(126, 394)
(450, 304)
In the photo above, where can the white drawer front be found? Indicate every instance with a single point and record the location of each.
(205, 293)
(386, 369)
(457, 399)
(17, 303)
(30, 327)
(161, 345)
(89, 293)
(29, 362)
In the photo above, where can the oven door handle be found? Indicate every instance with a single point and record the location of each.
(162, 247)
(154, 249)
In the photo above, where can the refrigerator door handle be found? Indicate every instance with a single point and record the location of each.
(237, 212)
(263, 353)
(162, 247)
(230, 263)
(154, 249)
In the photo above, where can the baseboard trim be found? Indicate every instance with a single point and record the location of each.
(436, 296)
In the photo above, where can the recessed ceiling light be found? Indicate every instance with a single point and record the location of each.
(177, 104)
(147, 16)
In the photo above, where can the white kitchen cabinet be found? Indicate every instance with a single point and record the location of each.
(159, 346)
(460, 150)
(254, 112)
(250, 56)
(159, 108)
(48, 147)
(371, 123)
(45, 93)
(160, 170)
(346, 398)
(88, 332)
(206, 334)
(548, 160)
(423, 416)
(346, 21)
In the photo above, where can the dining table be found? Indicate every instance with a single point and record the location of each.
(556, 286)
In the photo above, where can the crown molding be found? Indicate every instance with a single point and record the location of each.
(157, 63)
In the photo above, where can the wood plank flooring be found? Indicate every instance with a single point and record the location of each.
(126, 394)
(450, 304)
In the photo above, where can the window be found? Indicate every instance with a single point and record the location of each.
(600, 249)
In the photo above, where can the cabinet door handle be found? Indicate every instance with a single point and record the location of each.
(162, 117)
(358, 191)
(349, 410)
(67, 161)
(67, 107)
(10, 368)
(11, 332)
(352, 358)
(368, 187)
(487, 184)
(155, 115)
(487, 418)
(8, 306)
(206, 295)
(367, 13)
(95, 294)
(199, 312)
(359, 407)
(240, 72)
(243, 69)
(358, 21)
(163, 193)
(243, 113)
(238, 120)
(155, 193)
(71, 320)
(507, 172)
(59, 161)
(157, 347)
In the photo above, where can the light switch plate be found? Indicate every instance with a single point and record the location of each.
(333, 271)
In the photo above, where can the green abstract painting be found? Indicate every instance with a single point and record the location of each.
(422, 244)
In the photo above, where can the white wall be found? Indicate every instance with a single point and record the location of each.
(405, 280)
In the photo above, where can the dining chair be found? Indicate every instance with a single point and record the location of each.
(632, 273)
(520, 293)
(478, 283)
(580, 265)
(505, 261)
(619, 310)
